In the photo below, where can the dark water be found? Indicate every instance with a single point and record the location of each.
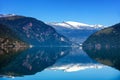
(59, 63)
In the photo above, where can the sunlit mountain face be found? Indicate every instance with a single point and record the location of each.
(30, 31)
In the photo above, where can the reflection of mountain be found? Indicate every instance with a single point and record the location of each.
(110, 57)
(8, 54)
(103, 46)
(76, 60)
(31, 61)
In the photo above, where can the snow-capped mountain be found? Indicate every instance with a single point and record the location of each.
(75, 31)
(6, 15)
(75, 25)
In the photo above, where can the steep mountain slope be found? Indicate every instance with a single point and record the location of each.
(9, 39)
(75, 31)
(33, 31)
(106, 38)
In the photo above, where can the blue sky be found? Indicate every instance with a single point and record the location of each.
(105, 12)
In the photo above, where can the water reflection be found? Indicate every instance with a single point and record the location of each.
(107, 56)
(8, 54)
(76, 60)
(54, 63)
(30, 61)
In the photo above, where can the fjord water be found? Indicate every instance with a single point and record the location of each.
(59, 63)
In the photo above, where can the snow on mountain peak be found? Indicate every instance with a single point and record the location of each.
(75, 25)
(60, 24)
(6, 15)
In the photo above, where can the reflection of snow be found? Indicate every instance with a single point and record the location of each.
(61, 53)
(76, 67)
(62, 39)
(31, 46)
(7, 76)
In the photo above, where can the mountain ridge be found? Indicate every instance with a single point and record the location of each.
(34, 31)
(105, 38)
(75, 25)
(75, 31)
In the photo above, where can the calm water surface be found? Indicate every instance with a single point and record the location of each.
(59, 64)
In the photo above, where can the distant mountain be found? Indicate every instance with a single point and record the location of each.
(76, 25)
(33, 31)
(75, 31)
(6, 15)
(105, 38)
